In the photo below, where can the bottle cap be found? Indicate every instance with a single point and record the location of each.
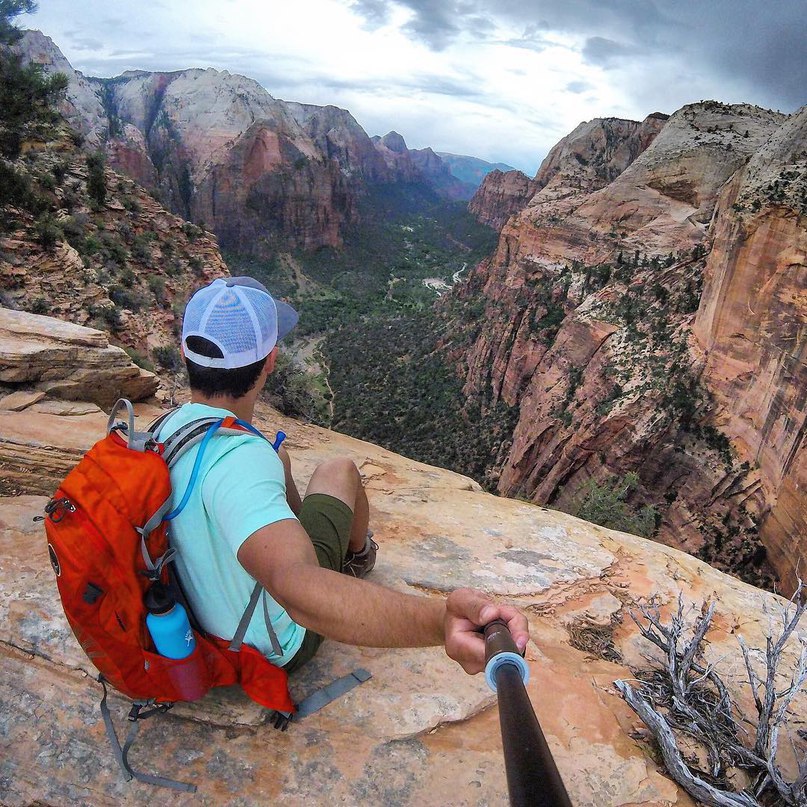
(158, 599)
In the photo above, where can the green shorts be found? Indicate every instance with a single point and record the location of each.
(327, 520)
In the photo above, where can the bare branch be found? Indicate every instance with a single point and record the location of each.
(673, 759)
(688, 697)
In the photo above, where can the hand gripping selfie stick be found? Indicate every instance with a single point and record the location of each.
(532, 776)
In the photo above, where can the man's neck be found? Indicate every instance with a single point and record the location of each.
(242, 408)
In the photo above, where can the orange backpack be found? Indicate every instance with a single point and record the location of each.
(107, 540)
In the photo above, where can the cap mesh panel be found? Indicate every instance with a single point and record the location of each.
(229, 324)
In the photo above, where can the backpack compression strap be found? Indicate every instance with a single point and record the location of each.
(122, 754)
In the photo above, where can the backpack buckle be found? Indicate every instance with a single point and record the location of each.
(156, 708)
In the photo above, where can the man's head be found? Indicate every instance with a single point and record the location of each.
(229, 328)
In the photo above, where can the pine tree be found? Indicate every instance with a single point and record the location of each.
(27, 95)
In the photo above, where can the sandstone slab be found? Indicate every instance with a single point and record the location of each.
(67, 361)
(17, 401)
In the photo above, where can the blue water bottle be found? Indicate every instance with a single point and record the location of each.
(168, 624)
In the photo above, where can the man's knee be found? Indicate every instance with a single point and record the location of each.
(337, 477)
(339, 468)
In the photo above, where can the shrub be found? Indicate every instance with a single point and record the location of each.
(132, 299)
(192, 232)
(47, 231)
(139, 359)
(108, 316)
(40, 306)
(157, 287)
(168, 356)
(96, 180)
(113, 247)
(606, 505)
(60, 171)
(15, 187)
(141, 249)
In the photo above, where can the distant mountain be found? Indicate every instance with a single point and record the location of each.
(421, 165)
(218, 149)
(471, 170)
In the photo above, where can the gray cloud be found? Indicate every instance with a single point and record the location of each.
(605, 52)
(374, 12)
(437, 23)
(749, 44)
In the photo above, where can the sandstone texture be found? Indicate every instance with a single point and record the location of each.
(420, 731)
(589, 304)
(752, 329)
(66, 361)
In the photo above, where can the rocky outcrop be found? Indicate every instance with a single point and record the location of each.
(500, 195)
(420, 731)
(597, 152)
(588, 311)
(587, 159)
(66, 361)
(220, 151)
(751, 330)
(126, 266)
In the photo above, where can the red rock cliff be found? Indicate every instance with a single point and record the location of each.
(751, 327)
(589, 302)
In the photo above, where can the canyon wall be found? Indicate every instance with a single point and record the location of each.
(751, 332)
(589, 304)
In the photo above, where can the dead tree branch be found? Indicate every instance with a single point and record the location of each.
(686, 697)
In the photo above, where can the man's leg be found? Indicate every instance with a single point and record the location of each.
(340, 478)
(335, 514)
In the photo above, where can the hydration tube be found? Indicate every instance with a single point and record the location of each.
(532, 776)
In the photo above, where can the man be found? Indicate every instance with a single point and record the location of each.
(245, 520)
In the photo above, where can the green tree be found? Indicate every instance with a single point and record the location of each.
(96, 181)
(606, 505)
(27, 95)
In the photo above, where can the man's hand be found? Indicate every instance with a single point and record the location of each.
(468, 610)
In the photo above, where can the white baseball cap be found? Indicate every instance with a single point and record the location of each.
(240, 317)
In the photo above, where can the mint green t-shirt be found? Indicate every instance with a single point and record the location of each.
(240, 488)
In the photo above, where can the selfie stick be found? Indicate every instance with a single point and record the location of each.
(532, 776)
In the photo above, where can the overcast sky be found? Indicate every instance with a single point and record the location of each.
(499, 79)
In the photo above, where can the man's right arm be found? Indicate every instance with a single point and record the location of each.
(280, 556)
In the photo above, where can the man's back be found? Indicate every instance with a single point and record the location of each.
(239, 488)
